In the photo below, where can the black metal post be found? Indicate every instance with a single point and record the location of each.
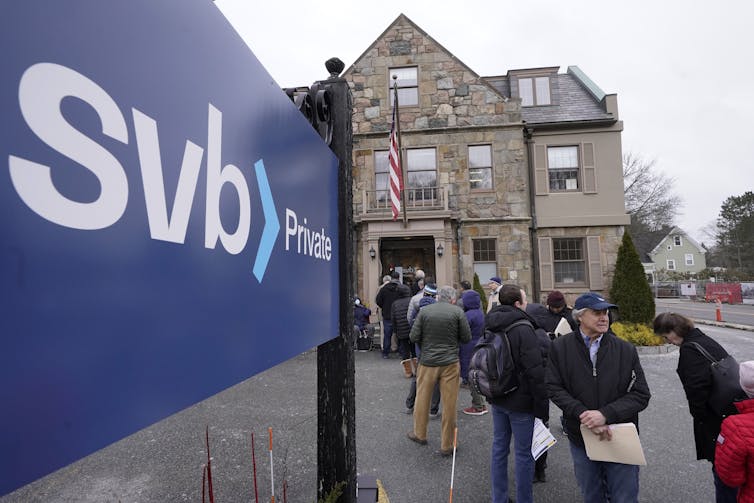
(336, 413)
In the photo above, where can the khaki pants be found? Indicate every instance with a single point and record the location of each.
(449, 379)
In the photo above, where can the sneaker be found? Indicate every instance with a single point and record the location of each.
(475, 411)
(409, 410)
(446, 453)
(434, 415)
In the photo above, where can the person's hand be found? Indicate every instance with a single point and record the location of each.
(592, 419)
(604, 432)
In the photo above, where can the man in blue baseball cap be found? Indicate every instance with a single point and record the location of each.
(597, 380)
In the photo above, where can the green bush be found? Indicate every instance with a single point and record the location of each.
(630, 289)
(637, 334)
(477, 286)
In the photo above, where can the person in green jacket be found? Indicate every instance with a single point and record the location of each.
(439, 330)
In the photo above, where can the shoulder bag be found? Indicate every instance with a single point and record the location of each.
(726, 388)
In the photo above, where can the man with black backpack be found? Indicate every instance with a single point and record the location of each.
(513, 413)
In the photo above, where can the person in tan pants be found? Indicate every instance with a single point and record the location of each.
(439, 330)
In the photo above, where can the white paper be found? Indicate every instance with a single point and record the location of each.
(541, 439)
(562, 328)
(624, 447)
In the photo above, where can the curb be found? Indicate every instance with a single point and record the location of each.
(724, 324)
(656, 350)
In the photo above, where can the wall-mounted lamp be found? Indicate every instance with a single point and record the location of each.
(372, 253)
(440, 250)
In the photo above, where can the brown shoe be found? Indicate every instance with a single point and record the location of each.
(412, 436)
(446, 452)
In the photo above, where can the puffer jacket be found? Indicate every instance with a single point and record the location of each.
(439, 330)
(398, 311)
(531, 394)
(615, 386)
(472, 307)
(734, 456)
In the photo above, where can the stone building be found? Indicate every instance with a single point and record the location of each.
(517, 176)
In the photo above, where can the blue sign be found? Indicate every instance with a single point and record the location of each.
(168, 229)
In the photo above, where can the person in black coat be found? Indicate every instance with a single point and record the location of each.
(401, 329)
(597, 380)
(696, 377)
(555, 311)
(513, 414)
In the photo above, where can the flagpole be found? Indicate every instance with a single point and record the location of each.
(400, 151)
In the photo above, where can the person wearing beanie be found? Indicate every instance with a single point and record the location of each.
(696, 377)
(494, 285)
(556, 311)
(734, 452)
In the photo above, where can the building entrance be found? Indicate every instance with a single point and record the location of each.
(406, 255)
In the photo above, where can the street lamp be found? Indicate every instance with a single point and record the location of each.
(440, 250)
(372, 253)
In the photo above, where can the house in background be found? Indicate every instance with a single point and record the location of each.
(517, 176)
(669, 250)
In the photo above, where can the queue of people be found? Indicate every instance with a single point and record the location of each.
(595, 378)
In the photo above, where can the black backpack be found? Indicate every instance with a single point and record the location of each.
(492, 371)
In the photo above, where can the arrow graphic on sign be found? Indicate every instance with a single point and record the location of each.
(271, 223)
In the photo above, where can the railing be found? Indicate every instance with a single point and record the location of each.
(421, 198)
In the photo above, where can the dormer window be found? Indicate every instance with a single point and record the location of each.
(534, 91)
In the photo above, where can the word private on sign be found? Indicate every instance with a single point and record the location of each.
(307, 242)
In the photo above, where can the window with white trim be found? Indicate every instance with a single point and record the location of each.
(671, 265)
(563, 168)
(408, 85)
(677, 240)
(480, 167)
(421, 170)
(689, 258)
(568, 260)
(534, 91)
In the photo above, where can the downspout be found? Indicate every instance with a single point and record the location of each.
(460, 256)
(529, 141)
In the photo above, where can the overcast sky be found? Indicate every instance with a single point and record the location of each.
(682, 69)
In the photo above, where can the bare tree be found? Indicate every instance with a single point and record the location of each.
(649, 195)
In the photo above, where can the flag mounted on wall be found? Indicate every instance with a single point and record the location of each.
(396, 172)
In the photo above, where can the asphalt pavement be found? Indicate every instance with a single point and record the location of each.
(163, 463)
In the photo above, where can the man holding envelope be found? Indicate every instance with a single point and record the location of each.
(597, 380)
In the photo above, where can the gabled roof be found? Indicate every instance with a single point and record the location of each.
(646, 242)
(403, 19)
(675, 231)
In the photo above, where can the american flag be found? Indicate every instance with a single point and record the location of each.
(396, 174)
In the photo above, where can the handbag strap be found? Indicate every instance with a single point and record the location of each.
(703, 351)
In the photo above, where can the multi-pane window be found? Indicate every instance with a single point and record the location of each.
(534, 91)
(671, 265)
(421, 169)
(480, 167)
(485, 258)
(677, 240)
(408, 85)
(563, 168)
(569, 260)
(689, 259)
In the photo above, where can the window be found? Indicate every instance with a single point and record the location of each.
(421, 169)
(563, 168)
(408, 85)
(689, 259)
(485, 258)
(677, 240)
(569, 262)
(534, 91)
(480, 167)
(671, 265)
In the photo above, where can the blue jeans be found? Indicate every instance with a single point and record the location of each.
(387, 328)
(599, 480)
(724, 493)
(520, 425)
